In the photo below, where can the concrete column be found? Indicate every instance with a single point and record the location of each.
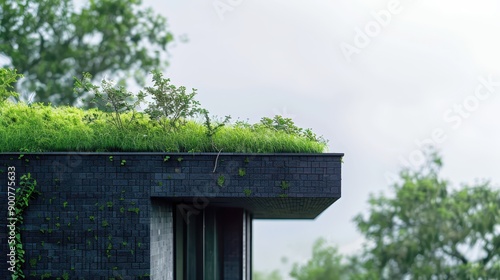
(162, 237)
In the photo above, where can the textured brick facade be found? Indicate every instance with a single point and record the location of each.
(109, 215)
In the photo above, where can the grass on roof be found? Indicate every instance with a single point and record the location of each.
(43, 128)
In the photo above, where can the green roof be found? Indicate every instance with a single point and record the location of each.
(44, 128)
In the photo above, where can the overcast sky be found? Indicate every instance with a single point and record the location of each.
(373, 77)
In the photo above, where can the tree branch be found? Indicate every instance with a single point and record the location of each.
(455, 253)
(488, 257)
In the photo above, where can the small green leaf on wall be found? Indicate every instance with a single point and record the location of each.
(220, 181)
(285, 185)
(242, 172)
(247, 192)
(134, 209)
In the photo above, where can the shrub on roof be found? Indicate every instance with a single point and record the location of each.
(167, 125)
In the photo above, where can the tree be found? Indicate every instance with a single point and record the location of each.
(51, 41)
(326, 263)
(7, 78)
(425, 230)
(430, 231)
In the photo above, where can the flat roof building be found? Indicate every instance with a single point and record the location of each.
(159, 215)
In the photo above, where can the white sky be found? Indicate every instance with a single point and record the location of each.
(283, 57)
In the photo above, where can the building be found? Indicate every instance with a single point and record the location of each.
(159, 215)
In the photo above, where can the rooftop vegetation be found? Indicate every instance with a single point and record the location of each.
(173, 121)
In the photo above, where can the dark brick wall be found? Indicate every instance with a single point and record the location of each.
(93, 217)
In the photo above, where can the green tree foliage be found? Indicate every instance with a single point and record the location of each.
(275, 275)
(114, 99)
(425, 230)
(326, 263)
(280, 123)
(287, 125)
(51, 41)
(171, 105)
(429, 230)
(7, 78)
